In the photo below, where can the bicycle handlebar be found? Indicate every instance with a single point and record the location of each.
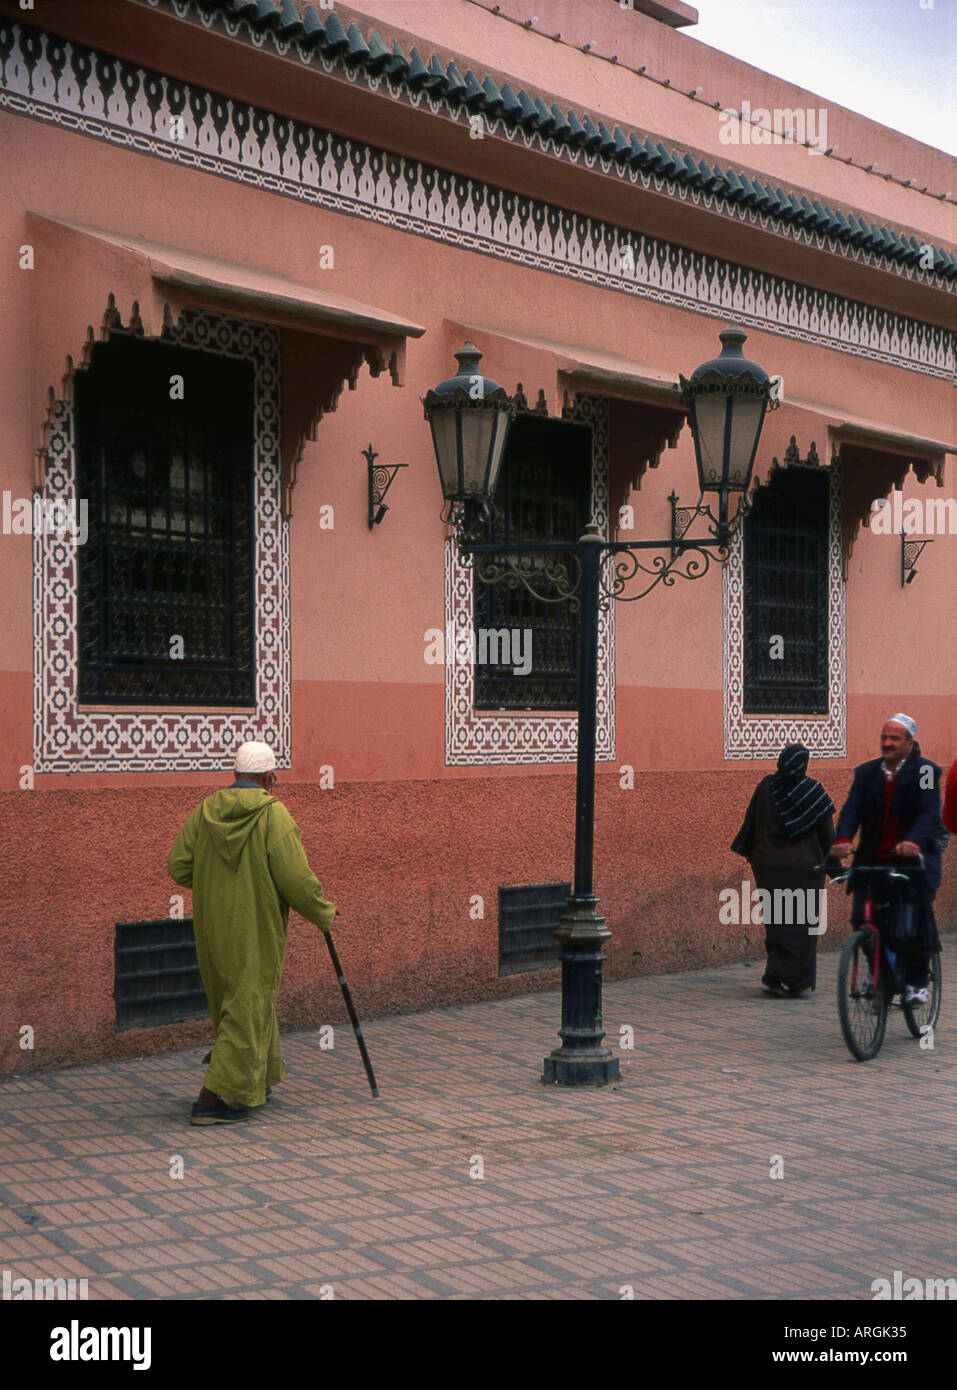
(891, 870)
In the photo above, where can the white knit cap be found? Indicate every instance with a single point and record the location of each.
(255, 757)
(905, 721)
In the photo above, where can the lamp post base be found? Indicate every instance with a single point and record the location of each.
(599, 1070)
(581, 1060)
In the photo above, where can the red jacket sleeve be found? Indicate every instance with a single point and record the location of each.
(949, 811)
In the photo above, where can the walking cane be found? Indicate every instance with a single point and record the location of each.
(356, 1026)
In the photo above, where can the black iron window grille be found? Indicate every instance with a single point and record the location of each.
(156, 976)
(786, 595)
(543, 494)
(527, 918)
(165, 462)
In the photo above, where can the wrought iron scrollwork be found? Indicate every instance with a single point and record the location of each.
(548, 577)
(910, 553)
(690, 563)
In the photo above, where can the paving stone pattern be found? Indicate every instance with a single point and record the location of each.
(660, 1184)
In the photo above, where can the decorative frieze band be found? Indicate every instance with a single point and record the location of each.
(51, 79)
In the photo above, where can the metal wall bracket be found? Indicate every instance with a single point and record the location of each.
(380, 480)
(910, 554)
(681, 519)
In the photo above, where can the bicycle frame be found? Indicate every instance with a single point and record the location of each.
(869, 921)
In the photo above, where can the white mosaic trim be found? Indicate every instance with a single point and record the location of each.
(763, 736)
(67, 739)
(483, 736)
(51, 79)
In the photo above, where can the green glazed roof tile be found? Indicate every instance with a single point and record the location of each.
(267, 13)
(358, 48)
(335, 34)
(735, 186)
(667, 164)
(545, 119)
(312, 24)
(609, 145)
(474, 94)
(284, 17)
(398, 65)
(493, 96)
(378, 52)
(562, 128)
(528, 115)
(454, 81)
(418, 72)
(575, 127)
(513, 107)
(437, 79)
(290, 23)
(592, 137)
(708, 177)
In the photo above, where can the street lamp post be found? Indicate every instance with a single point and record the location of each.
(470, 415)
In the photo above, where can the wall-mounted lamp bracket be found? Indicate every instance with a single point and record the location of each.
(910, 554)
(380, 480)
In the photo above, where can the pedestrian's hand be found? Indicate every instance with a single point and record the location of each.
(908, 849)
(841, 849)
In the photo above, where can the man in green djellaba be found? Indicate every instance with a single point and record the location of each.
(241, 853)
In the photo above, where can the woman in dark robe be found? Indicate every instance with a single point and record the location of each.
(787, 830)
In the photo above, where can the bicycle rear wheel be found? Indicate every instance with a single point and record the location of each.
(922, 1016)
(861, 1008)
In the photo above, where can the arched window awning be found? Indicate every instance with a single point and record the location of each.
(127, 282)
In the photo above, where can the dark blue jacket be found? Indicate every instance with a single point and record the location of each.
(916, 807)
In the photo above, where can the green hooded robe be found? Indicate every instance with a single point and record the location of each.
(241, 853)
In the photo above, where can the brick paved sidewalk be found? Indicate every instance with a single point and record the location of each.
(661, 1183)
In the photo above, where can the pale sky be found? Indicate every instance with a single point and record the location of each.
(892, 60)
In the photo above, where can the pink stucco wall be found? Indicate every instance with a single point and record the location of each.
(403, 840)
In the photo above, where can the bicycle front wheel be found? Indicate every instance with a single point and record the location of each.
(921, 1017)
(861, 1007)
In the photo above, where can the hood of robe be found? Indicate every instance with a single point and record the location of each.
(231, 815)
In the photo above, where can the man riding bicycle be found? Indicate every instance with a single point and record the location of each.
(895, 802)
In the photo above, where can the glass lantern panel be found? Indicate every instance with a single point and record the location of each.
(497, 452)
(478, 433)
(709, 414)
(745, 430)
(446, 450)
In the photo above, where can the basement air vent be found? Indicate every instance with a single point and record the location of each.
(527, 918)
(157, 977)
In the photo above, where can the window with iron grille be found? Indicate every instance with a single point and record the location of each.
(543, 494)
(169, 488)
(786, 595)
(527, 919)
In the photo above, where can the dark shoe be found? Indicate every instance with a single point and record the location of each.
(208, 1058)
(269, 1093)
(772, 984)
(219, 1114)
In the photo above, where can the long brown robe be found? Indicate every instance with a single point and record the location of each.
(778, 862)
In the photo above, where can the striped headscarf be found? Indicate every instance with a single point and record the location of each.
(799, 800)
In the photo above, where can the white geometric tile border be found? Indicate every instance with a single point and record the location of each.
(67, 739)
(763, 736)
(480, 737)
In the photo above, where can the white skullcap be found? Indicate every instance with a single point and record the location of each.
(905, 722)
(255, 757)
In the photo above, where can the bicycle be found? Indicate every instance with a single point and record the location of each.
(869, 975)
